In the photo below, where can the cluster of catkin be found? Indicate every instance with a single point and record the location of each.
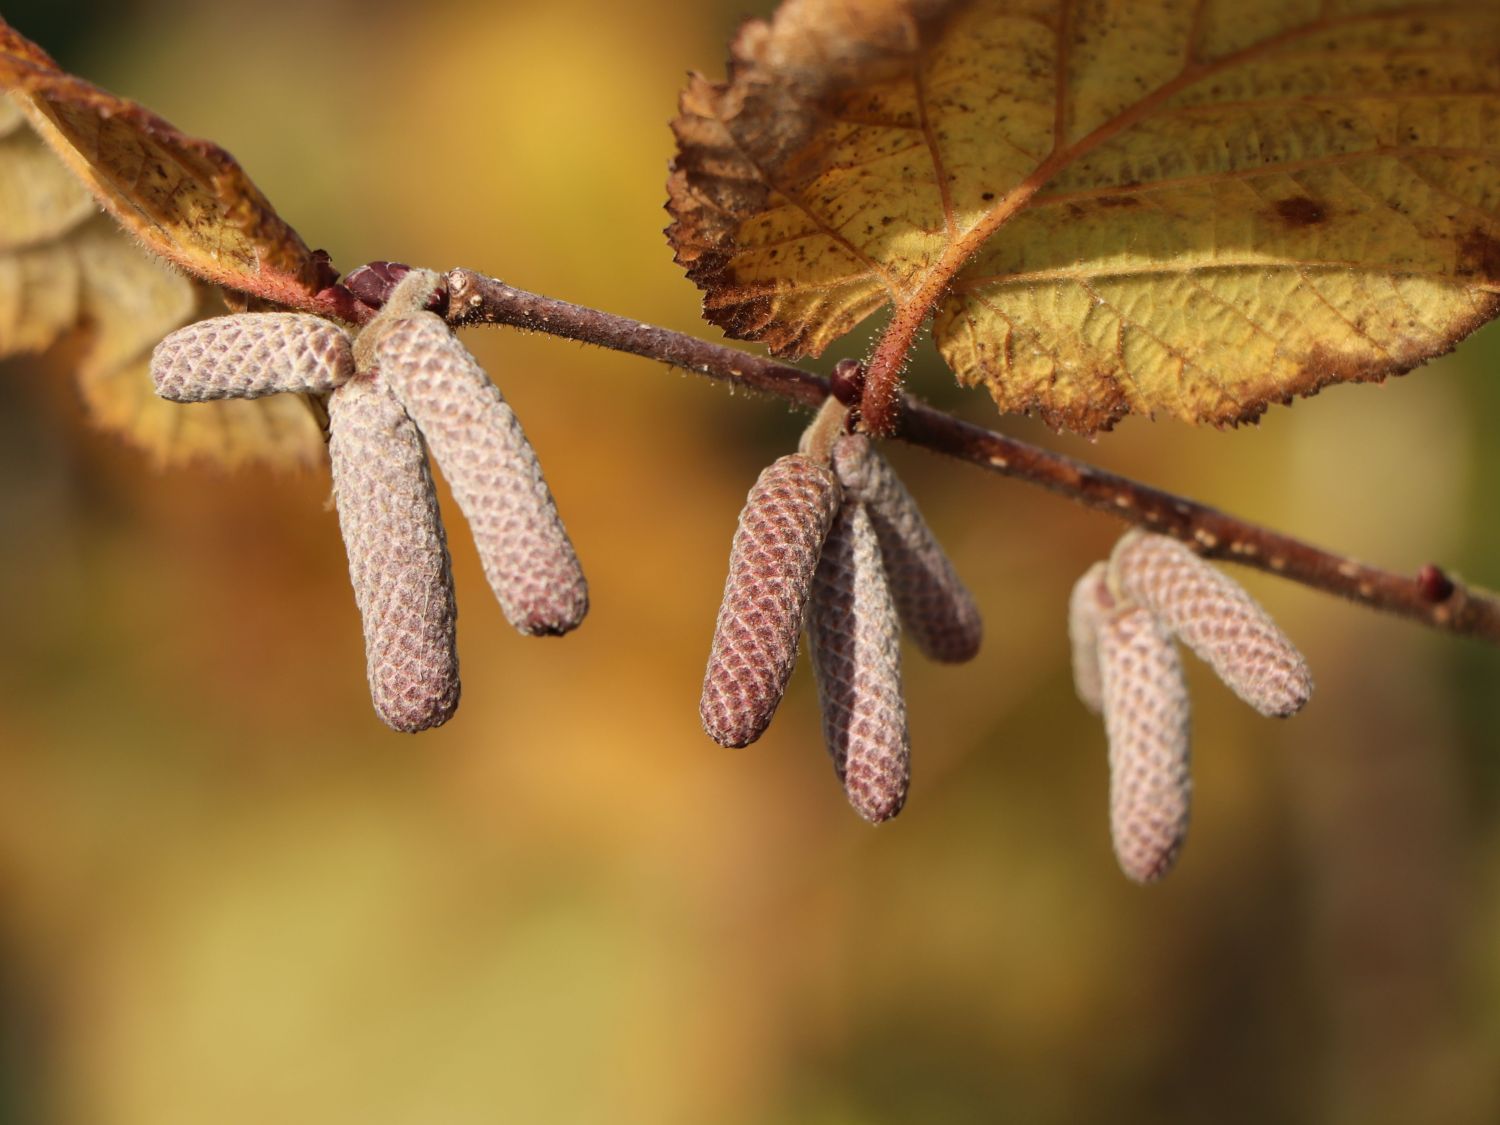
(404, 387)
(1124, 618)
(830, 539)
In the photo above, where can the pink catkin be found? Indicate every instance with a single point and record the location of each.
(934, 604)
(1087, 607)
(1146, 716)
(1216, 618)
(771, 563)
(855, 640)
(492, 469)
(248, 355)
(398, 556)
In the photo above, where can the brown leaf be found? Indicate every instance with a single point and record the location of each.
(184, 198)
(70, 275)
(1197, 207)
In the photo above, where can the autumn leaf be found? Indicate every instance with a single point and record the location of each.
(184, 198)
(1189, 207)
(69, 275)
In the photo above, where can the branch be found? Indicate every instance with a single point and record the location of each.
(1431, 596)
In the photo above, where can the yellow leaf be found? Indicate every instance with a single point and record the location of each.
(68, 272)
(184, 198)
(1193, 207)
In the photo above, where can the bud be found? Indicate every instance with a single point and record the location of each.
(1090, 602)
(935, 606)
(1216, 618)
(855, 641)
(398, 556)
(771, 562)
(1146, 717)
(249, 355)
(483, 453)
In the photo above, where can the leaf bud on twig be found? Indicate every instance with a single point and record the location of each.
(771, 563)
(1216, 618)
(398, 556)
(249, 355)
(855, 641)
(933, 602)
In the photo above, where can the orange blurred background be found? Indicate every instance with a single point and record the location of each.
(231, 896)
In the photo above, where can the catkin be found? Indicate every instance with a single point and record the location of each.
(1146, 717)
(935, 606)
(1086, 609)
(771, 563)
(482, 451)
(1216, 618)
(398, 556)
(248, 355)
(855, 641)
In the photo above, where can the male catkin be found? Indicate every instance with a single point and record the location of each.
(1216, 618)
(934, 604)
(1087, 607)
(1146, 716)
(771, 562)
(248, 355)
(398, 556)
(492, 469)
(855, 640)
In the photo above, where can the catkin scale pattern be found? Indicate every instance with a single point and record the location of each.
(1146, 715)
(781, 531)
(250, 355)
(934, 605)
(1216, 618)
(492, 469)
(398, 556)
(854, 637)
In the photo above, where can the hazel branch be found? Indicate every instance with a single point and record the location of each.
(1431, 596)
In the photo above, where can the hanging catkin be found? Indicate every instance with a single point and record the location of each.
(492, 469)
(398, 556)
(248, 355)
(934, 604)
(1146, 717)
(771, 562)
(1216, 618)
(1091, 600)
(855, 641)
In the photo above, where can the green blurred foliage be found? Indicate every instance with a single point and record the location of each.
(231, 896)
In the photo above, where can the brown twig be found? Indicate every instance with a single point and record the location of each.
(1430, 596)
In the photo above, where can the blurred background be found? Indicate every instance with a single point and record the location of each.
(230, 895)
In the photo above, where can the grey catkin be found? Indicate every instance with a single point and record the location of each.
(855, 641)
(398, 556)
(936, 607)
(494, 473)
(248, 355)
